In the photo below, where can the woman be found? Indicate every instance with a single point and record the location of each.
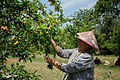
(80, 65)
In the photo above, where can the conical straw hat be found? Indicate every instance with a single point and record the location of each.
(89, 38)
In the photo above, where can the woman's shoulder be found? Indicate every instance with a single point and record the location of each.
(86, 55)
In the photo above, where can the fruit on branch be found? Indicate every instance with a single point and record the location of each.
(4, 28)
(16, 42)
(41, 33)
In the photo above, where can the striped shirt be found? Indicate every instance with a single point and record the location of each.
(80, 66)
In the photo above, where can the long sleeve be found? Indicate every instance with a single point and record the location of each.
(82, 62)
(65, 53)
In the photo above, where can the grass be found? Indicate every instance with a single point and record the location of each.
(102, 72)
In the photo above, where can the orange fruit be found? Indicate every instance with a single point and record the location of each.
(4, 28)
(12, 38)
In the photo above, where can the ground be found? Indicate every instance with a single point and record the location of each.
(102, 72)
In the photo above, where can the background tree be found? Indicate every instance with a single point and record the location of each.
(107, 14)
(80, 21)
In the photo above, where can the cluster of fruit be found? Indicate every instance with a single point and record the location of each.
(4, 28)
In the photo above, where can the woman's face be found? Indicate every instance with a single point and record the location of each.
(83, 47)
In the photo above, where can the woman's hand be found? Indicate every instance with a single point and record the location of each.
(51, 61)
(56, 47)
(53, 42)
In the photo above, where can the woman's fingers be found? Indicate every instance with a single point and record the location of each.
(49, 60)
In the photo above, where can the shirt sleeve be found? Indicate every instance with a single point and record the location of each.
(65, 53)
(83, 63)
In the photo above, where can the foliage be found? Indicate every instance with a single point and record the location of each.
(107, 16)
(80, 21)
(104, 18)
(26, 24)
(16, 72)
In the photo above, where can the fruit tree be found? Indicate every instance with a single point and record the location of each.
(25, 24)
